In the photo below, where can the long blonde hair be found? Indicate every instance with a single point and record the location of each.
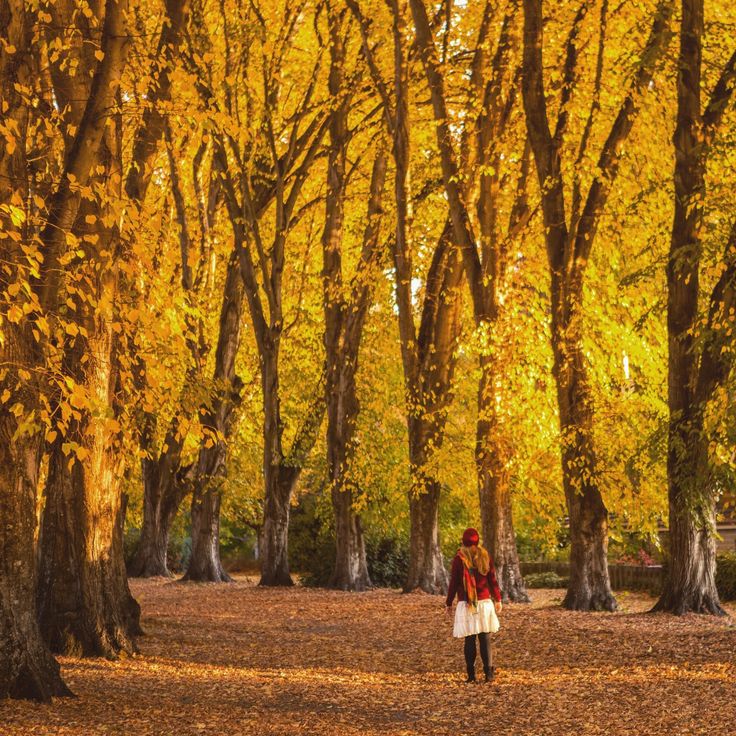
(477, 557)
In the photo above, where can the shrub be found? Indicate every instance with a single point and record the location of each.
(388, 561)
(545, 580)
(311, 544)
(177, 553)
(726, 576)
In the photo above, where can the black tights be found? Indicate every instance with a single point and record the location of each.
(470, 654)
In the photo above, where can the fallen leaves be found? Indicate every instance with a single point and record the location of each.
(238, 659)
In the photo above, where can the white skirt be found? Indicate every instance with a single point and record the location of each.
(483, 621)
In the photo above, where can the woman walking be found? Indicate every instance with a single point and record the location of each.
(473, 579)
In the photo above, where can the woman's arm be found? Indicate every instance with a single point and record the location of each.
(456, 577)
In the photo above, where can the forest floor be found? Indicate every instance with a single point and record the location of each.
(238, 659)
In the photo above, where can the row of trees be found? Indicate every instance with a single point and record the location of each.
(165, 173)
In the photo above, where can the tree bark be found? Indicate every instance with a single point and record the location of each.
(274, 539)
(27, 668)
(426, 564)
(590, 587)
(85, 605)
(210, 470)
(690, 585)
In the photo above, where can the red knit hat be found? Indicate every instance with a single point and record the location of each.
(470, 537)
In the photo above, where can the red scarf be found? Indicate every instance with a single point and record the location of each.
(469, 578)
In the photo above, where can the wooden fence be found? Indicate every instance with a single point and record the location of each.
(623, 577)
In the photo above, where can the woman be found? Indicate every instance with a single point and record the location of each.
(473, 579)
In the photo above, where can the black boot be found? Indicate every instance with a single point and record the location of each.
(490, 674)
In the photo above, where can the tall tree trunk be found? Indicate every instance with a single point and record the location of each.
(163, 492)
(483, 276)
(431, 390)
(344, 321)
(690, 585)
(279, 478)
(281, 471)
(590, 587)
(85, 605)
(210, 469)
(492, 457)
(426, 565)
(27, 668)
(698, 364)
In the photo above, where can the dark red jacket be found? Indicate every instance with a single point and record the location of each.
(485, 585)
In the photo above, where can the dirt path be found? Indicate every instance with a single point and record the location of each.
(237, 659)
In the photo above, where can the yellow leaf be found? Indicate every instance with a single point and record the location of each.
(15, 314)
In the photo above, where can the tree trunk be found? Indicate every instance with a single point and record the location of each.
(492, 457)
(569, 243)
(344, 321)
(211, 469)
(690, 585)
(590, 586)
(162, 494)
(279, 480)
(274, 540)
(27, 668)
(351, 566)
(700, 359)
(205, 565)
(85, 606)
(426, 565)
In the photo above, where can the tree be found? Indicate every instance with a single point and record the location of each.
(264, 170)
(428, 354)
(484, 258)
(210, 468)
(162, 490)
(27, 668)
(698, 365)
(569, 236)
(85, 605)
(345, 315)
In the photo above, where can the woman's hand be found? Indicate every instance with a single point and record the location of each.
(499, 606)
(448, 610)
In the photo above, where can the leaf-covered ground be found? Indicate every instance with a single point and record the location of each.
(238, 659)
